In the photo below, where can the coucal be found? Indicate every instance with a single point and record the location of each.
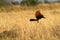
(38, 16)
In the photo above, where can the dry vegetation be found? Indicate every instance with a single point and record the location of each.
(15, 24)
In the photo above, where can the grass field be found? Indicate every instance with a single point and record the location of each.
(15, 24)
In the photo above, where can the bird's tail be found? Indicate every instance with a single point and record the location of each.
(33, 19)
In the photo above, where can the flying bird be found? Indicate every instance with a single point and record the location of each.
(38, 16)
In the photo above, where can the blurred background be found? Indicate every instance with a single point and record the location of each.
(27, 2)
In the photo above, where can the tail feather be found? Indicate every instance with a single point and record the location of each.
(33, 19)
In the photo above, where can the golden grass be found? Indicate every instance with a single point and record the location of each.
(18, 20)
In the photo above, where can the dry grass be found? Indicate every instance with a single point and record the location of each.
(18, 21)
